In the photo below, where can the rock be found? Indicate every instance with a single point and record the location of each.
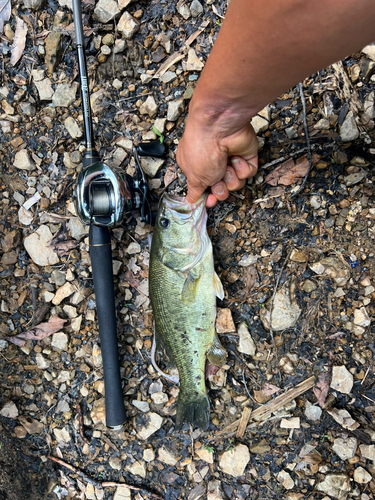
(127, 26)
(133, 248)
(53, 51)
(33, 4)
(151, 166)
(286, 311)
(97, 356)
(322, 124)
(333, 268)
(148, 455)
(356, 178)
(193, 63)
(143, 406)
(65, 94)
(298, 256)
(183, 10)
(233, 462)
(41, 362)
(106, 10)
(168, 76)
(175, 108)
(285, 480)
(115, 463)
(77, 229)
(149, 107)
(259, 124)
(20, 432)
(343, 418)
(98, 411)
(361, 317)
(63, 292)
(348, 129)
(206, 455)
(345, 447)
(159, 398)
(335, 485)
(290, 423)
(367, 451)
(60, 341)
(214, 490)
(291, 133)
(3, 345)
(153, 424)
(9, 410)
(31, 425)
(62, 435)
(342, 380)
(44, 88)
(9, 258)
(97, 101)
(260, 448)
(246, 344)
(23, 161)
(313, 412)
(224, 321)
(369, 50)
(166, 457)
(73, 128)
(196, 8)
(308, 286)
(361, 476)
(369, 108)
(122, 493)
(248, 260)
(36, 245)
(137, 469)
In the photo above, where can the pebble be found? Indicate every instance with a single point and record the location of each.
(9, 410)
(106, 10)
(97, 356)
(90, 492)
(65, 95)
(165, 456)
(193, 63)
(345, 447)
(361, 476)
(137, 469)
(291, 133)
(224, 321)
(298, 256)
(133, 248)
(322, 124)
(115, 463)
(246, 344)
(23, 161)
(62, 435)
(361, 317)
(335, 485)
(248, 260)
(60, 341)
(285, 314)
(127, 25)
(333, 268)
(63, 292)
(77, 229)
(308, 286)
(259, 124)
(44, 88)
(343, 418)
(41, 362)
(151, 166)
(73, 128)
(196, 8)
(355, 178)
(313, 412)
(98, 411)
(285, 480)
(348, 129)
(183, 10)
(122, 493)
(143, 406)
(214, 490)
(153, 424)
(149, 107)
(37, 246)
(342, 380)
(148, 455)
(290, 423)
(369, 50)
(206, 455)
(234, 462)
(31, 425)
(20, 432)
(367, 451)
(175, 108)
(159, 398)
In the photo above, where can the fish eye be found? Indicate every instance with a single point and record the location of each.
(164, 222)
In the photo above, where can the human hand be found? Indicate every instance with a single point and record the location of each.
(220, 156)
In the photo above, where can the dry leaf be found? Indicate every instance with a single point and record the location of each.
(40, 332)
(64, 247)
(5, 12)
(288, 172)
(269, 389)
(170, 175)
(132, 279)
(322, 387)
(19, 41)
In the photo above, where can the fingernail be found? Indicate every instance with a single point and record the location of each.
(236, 163)
(219, 189)
(228, 176)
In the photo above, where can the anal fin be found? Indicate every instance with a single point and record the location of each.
(216, 353)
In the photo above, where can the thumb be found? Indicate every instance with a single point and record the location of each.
(194, 193)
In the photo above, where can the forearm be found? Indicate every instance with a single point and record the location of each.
(266, 46)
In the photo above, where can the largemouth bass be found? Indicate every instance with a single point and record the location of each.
(183, 291)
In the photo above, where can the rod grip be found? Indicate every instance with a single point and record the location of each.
(101, 262)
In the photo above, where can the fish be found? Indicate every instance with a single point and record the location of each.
(183, 287)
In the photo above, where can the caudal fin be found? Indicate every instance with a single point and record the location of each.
(195, 412)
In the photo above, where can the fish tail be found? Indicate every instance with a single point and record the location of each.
(193, 411)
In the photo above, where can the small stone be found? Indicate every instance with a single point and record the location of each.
(348, 129)
(153, 424)
(175, 108)
(44, 88)
(41, 362)
(206, 455)
(65, 95)
(115, 463)
(313, 412)
(322, 124)
(143, 406)
(106, 10)
(127, 26)
(196, 8)
(9, 410)
(149, 107)
(214, 490)
(290, 423)
(248, 260)
(137, 469)
(361, 476)
(285, 480)
(20, 432)
(133, 248)
(285, 312)
(345, 448)
(148, 455)
(298, 256)
(31, 425)
(193, 63)
(356, 178)
(286, 365)
(259, 124)
(98, 411)
(343, 418)
(183, 10)
(308, 286)
(233, 462)
(37, 246)
(63, 292)
(224, 321)
(342, 379)
(97, 356)
(62, 435)
(159, 398)
(246, 344)
(367, 451)
(291, 133)
(168, 76)
(60, 341)
(369, 50)
(122, 493)
(151, 166)
(9, 258)
(166, 457)
(361, 317)
(335, 485)
(73, 128)
(23, 161)
(90, 492)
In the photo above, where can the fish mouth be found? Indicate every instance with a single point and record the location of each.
(179, 203)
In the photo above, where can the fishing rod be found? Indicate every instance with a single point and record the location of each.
(103, 196)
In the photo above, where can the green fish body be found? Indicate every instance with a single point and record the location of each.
(183, 290)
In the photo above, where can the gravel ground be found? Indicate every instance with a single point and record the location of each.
(292, 409)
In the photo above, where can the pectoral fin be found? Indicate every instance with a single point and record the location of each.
(189, 290)
(218, 287)
(216, 353)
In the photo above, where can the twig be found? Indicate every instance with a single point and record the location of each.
(80, 421)
(309, 153)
